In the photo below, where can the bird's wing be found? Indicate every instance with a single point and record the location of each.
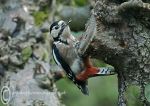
(62, 51)
(67, 52)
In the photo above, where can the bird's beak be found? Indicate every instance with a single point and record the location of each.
(66, 24)
(69, 21)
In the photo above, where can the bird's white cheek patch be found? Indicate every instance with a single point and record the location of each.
(54, 33)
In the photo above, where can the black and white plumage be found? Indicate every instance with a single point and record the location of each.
(65, 55)
(68, 53)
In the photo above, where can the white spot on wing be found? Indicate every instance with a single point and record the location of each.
(73, 80)
(58, 42)
(69, 76)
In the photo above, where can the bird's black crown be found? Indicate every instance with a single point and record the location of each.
(53, 24)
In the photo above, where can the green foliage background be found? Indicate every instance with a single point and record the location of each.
(1, 104)
(103, 92)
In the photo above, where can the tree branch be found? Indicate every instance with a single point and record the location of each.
(123, 41)
(88, 36)
(133, 4)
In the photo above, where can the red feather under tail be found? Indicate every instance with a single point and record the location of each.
(89, 70)
(87, 73)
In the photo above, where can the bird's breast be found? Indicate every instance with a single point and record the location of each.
(69, 55)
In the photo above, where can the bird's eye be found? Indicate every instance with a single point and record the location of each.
(56, 27)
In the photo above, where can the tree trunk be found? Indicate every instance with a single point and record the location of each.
(123, 41)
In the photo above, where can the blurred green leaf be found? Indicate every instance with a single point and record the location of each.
(81, 2)
(76, 34)
(39, 17)
(2, 104)
(103, 92)
(132, 95)
(45, 55)
(147, 92)
(26, 53)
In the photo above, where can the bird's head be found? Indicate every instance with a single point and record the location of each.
(60, 30)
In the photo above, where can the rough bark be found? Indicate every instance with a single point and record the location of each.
(123, 41)
(28, 91)
(27, 77)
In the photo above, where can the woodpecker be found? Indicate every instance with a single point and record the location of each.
(64, 50)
